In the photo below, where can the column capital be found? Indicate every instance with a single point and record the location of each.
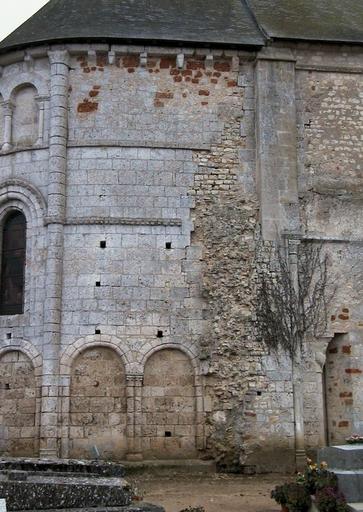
(41, 99)
(8, 108)
(135, 379)
(59, 57)
(293, 245)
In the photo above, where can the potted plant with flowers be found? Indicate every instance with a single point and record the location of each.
(314, 489)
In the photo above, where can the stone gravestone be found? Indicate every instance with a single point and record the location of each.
(2, 505)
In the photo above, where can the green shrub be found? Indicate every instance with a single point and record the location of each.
(279, 494)
(298, 498)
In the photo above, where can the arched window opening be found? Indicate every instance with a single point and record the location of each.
(13, 264)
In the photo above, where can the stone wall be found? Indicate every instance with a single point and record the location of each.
(98, 405)
(143, 281)
(329, 101)
(18, 410)
(25, 117)
(145, 188)
(339, 373)
(153, 103)
(332, 131)
(168, 406)
(1, 119)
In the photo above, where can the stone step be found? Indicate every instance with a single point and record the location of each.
(139, 507)
(351, 484)
(46, 492)
(356, 507)
(348, 456)
(63, 466)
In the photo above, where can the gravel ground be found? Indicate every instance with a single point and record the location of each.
(214, 492)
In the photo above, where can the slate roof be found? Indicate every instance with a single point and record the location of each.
(236, 23)
(221, 22)
(317, 20)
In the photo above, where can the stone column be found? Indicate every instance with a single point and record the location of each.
(199, 414)
(41, 107)
(134, 417)
(297, 378)
(320, 359)
(8, 109)
(59, 62)
(356, 343)
(277, 184)
(276, 142)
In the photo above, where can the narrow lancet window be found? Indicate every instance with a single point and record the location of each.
(13, 264)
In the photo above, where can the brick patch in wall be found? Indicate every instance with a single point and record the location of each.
(343, 424)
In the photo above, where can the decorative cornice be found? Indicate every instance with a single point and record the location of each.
(87, 221)
(53, 219)
(73, 221)
(84, 143)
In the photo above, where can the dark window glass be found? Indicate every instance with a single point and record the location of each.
(13, 264)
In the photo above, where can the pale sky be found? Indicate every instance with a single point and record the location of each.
(15, 12)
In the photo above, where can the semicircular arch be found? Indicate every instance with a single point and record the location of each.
(21, 195)
(27, 348)
(12, 84)
(98, 340)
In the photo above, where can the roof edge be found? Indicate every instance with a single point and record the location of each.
(316, 41)
(140, 42)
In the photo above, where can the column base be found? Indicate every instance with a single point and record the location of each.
(45, 453)
(300, 459)
(6, 147)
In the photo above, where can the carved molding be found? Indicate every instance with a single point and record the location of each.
(16, 185)
(76, 221)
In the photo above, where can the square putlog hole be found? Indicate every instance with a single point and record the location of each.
(167, 434)
(103, 244)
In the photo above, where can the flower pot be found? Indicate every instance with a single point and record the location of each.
(284, 508)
